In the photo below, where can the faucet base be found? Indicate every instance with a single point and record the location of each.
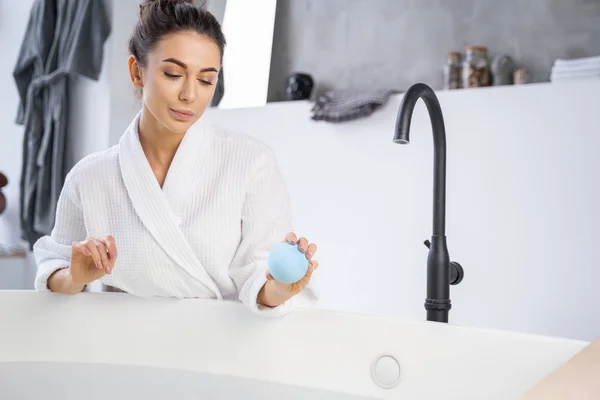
(437, 301)
(437, 316)
(437, 310)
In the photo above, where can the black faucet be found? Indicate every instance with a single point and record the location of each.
(441, 272)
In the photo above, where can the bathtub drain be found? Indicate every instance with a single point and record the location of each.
(385, 371)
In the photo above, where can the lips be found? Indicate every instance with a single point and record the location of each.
(181, 115)
(183, 112)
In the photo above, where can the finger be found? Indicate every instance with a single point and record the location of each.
(80, 247)
(291, 237)
(312, 266)
(303, 244)
(103, 251)
(90, 245)
(111, 245)
(312, 249)
(298, 286)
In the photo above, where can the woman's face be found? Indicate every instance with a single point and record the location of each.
(179, 79)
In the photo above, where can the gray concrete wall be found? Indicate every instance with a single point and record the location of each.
(394, 43)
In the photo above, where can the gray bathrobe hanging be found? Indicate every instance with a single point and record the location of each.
(63, 38)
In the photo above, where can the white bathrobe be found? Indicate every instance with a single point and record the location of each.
(205, 234)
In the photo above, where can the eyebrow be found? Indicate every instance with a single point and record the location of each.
(183, 65)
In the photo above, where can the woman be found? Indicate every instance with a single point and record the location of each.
(178, 208)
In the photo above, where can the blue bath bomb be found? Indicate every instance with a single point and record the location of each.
(287, 264)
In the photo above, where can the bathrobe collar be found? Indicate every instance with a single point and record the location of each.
(150, 201)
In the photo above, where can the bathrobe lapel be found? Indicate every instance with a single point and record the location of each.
(150, 202)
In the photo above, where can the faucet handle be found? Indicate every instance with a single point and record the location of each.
(457, 273)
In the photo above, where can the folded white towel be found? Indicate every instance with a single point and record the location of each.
(574, 69)
(580, 73)
(580, 69)
(574, 78)
(578, 62)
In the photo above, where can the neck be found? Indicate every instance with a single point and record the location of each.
(159, 143)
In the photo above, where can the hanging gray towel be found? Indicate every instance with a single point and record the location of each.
(347, 105)
(62, 39)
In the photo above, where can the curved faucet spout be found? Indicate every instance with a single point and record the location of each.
(441, 273)
(402, 136)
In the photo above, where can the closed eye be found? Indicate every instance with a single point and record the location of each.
(203, 81)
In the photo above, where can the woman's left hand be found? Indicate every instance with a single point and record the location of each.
(275, 293)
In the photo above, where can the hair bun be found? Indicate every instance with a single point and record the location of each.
(164, 17)
(161, 4)
(166, 2)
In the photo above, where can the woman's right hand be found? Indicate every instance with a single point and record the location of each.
(91, 259)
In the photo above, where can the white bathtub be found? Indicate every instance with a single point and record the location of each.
(113, 345)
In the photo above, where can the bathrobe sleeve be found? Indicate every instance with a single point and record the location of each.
(266, 219)
(53, 252)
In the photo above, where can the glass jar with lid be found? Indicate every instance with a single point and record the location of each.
(452, 68)
(476, 67)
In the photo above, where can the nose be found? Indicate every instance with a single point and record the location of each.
(187, 93)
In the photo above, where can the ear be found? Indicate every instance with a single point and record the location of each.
(135, 72)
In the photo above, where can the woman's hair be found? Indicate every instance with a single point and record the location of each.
(159, 18)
